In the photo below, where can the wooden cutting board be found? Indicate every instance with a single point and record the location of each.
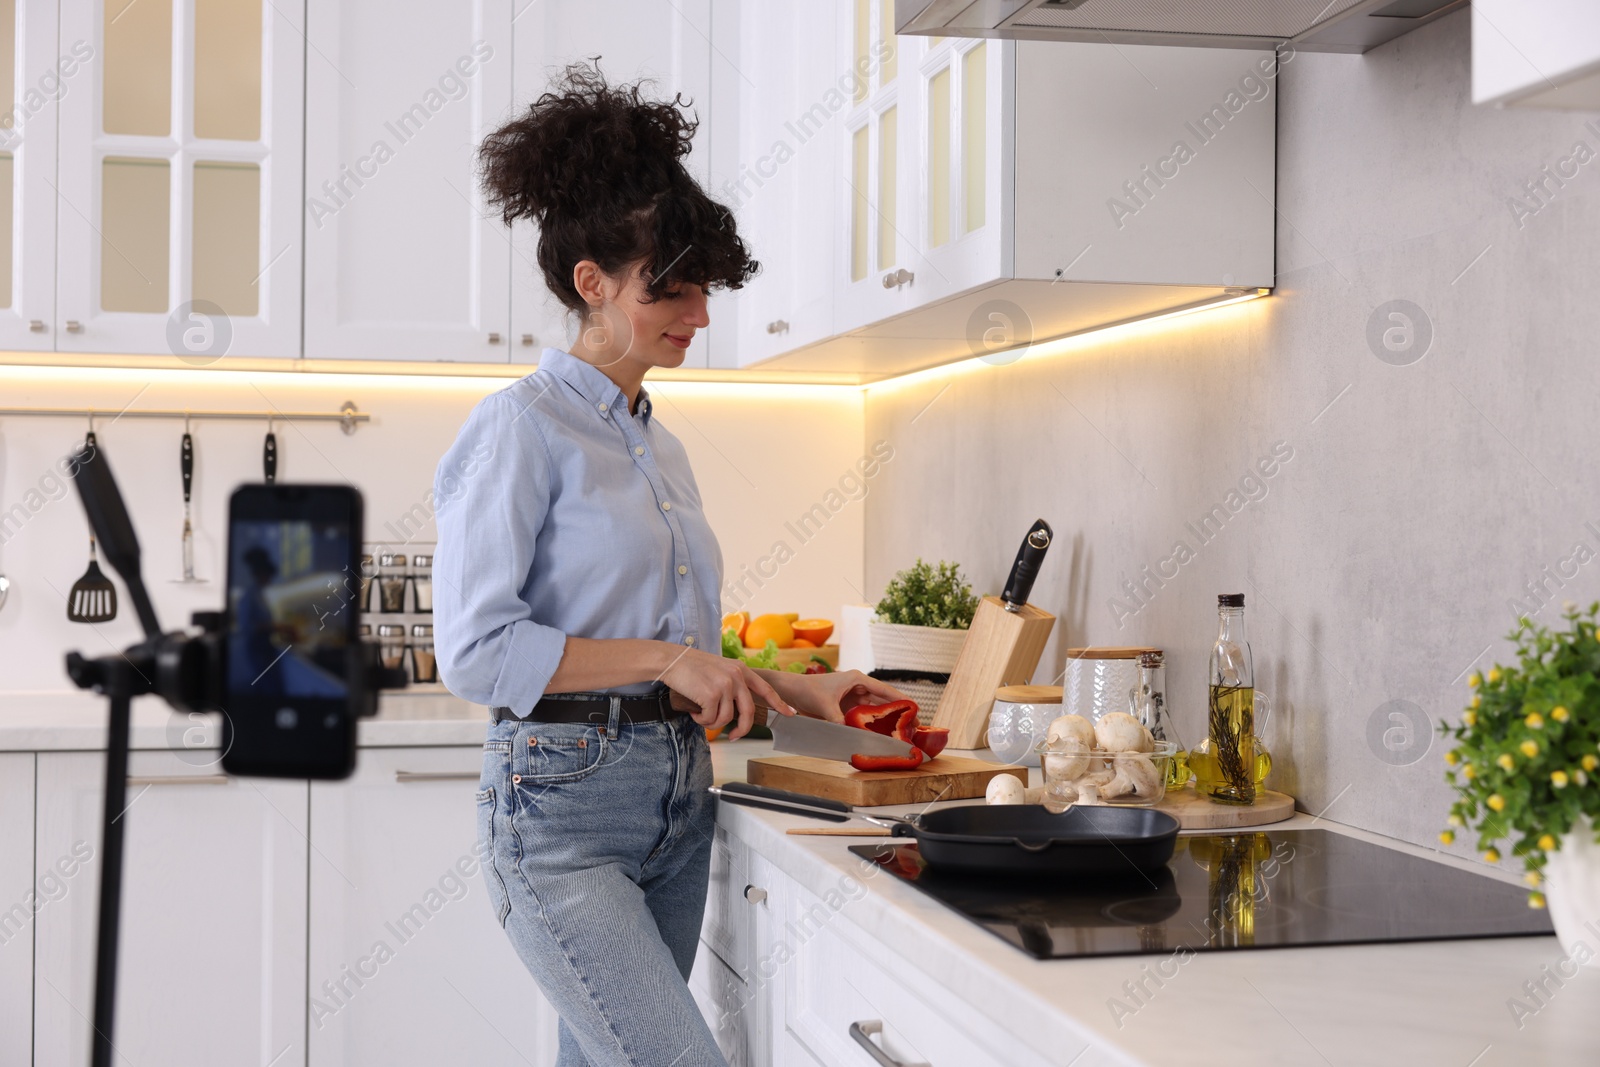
(944, 778)
(1195, 812)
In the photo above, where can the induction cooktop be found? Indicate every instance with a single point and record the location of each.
(1256, 889)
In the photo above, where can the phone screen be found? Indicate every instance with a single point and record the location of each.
(291, 638)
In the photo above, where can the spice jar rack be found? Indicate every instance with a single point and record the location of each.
(396, 602)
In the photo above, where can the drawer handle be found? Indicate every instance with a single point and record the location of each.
(178, 779)
(436, 776)
(862, 1033)
(755, 894)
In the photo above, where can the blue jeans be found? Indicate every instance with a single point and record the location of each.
(600, 845)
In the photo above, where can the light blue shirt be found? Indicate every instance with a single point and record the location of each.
(560, 513)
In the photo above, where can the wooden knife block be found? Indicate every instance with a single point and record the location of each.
(1002, 648)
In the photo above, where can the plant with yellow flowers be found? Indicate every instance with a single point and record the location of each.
(1528, 746)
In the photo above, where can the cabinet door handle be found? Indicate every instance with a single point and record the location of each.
(862, 1033)
(177, 779)
(777, 326)
(755, 894)
(36, 325)
(436, 776)
(74, 326)
(494, 338)
(896, 278)
(527, 339)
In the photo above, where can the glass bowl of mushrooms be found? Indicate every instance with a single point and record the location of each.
(1113, 760)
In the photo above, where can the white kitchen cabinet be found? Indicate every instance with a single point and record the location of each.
(178, 177)
(403, 258)
(213, 936)
(29, 71)
(21, 896)
(407, 961)
(984, 205)
(1536, 53)
(791, 114)
(670, 44)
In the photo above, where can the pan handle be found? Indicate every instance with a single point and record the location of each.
(759, 796)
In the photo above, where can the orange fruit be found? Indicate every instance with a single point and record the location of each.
(800, 642)
(817, 631)
(792, 617)
(765, 627)
(736, 621)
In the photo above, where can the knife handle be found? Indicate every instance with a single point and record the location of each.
(186, 456)
(1026, 566)
(760, 796)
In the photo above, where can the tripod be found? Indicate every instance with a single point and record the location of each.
(186, 670)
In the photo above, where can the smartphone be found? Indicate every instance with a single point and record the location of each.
(291, 649)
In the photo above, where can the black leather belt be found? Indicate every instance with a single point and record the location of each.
(594, 708)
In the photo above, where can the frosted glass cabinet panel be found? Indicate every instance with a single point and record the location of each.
(32, 72)
(179, 178)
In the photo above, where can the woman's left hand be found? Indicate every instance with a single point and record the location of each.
(829, 696)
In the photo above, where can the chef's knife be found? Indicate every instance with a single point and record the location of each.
(1026, 567)
(805, 736)
(186, 463)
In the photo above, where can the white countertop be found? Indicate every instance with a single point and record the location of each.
(1417, 1004)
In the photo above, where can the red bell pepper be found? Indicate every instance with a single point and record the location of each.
(931, 739)
(887, 763)
(897, 718)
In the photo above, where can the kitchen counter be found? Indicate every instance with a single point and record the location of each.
(1419, 1004)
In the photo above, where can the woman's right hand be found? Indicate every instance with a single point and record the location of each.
(722, 688)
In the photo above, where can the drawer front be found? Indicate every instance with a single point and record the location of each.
(729, 921)
(842, 978)
(723, 1002)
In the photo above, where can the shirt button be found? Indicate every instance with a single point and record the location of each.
(682, 569)
(638, 450)
(666, 505)
(689, 640)
(602, 408)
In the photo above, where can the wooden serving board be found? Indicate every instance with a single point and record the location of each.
(944, 778)
(1195, 812)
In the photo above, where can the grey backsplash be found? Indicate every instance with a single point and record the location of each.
(1417, 499)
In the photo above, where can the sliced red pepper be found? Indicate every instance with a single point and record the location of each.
(931, 739)
(897, 718)
(887, 763)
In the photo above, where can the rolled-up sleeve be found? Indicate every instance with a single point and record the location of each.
(491, 498)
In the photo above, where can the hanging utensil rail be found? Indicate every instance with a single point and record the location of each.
(349, 416)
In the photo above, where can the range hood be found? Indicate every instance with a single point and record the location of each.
(1309, 25)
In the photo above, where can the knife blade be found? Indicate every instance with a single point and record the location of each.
(805, 736)
(1026, 566)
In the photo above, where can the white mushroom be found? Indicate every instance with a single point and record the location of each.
(1118, 731)
(1067, 746)
(1073, 727)
(1005, 789)
(1034, 795)
(1136, 775)
(1089, 793)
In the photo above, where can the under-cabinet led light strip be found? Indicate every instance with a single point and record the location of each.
(433, 375)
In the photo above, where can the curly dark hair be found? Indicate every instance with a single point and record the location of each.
(600, 169)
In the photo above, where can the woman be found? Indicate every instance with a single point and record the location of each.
(576, 584)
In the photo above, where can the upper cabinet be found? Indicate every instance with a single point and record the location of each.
(31, 72)
(994, 192)
(782, 174)
(669, 44)
(1536, 53)
(403, 259)
(178, 176)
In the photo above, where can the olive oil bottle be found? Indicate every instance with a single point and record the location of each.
(1225, 764)
(1149, 706)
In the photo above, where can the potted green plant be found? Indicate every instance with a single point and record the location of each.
(1524, 765)
(922, 620)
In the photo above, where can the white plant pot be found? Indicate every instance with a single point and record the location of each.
(898, 647)
(1572, 893)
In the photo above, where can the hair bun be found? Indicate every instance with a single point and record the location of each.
(583, 141)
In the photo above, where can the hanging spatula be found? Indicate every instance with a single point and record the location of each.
(92, 598)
